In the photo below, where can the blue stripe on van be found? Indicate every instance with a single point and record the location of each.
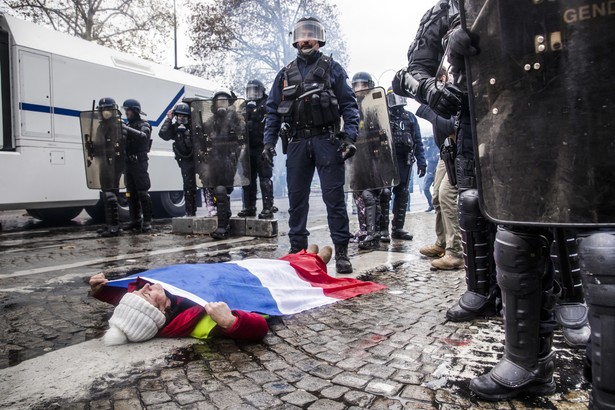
(74, 113)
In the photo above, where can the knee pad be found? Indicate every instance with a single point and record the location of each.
(220, 190)
(470, 216)
(368, 198)
(110, 197)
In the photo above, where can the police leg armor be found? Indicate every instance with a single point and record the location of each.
(112, 215)
(370, 241)
(249, 201)
(528, 296)
(134, 209)
(146, 206)
(477, 238)
(223, 205)
(190, 200)
(571, 311)
(385, 203)
(400, 203)
(597, 263)
(267, 194)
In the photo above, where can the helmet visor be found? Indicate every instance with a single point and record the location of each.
(394, 100)
(360, 85)
(254, 92)
(308, 30)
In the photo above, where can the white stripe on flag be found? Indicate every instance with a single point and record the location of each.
(291, 293)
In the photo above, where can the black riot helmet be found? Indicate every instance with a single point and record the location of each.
(394, 100)
(362, 81)
(308, 28)
(133, 105)
(106, 103)
(255, 90)
(221, 100)
(182, 109)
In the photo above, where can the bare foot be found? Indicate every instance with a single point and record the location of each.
(312, 248)
(325, 254)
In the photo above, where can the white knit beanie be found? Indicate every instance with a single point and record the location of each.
(134, 319)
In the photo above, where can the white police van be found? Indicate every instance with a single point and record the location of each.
(46, 79)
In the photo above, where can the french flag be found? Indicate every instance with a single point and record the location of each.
(276, 287)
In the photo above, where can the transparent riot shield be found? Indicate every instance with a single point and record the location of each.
(221, 149)
(543, 100)
(104, 150)
(373, 166)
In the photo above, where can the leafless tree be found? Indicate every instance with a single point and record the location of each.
(237, 40)
(139, 27)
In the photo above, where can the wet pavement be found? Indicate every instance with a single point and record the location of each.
(392, 349)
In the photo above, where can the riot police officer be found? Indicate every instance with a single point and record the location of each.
(306, 102)
(418, 80)
(179, 132)
(110, 178)
(408, 148)
(255, 111)
(138, 143)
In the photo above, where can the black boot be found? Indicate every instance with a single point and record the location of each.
(370, 242)
(385, 203)
(399, 217)
(479, 300)
(249, 204)
(146, 205)
(528, 363)
(267, 193)
(597, 263)
(190, 201)
(112, 216)
(342, 262)
(134, 208)
(223, 206)
(297, 244)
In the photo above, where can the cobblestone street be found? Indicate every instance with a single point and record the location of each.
(393, 349)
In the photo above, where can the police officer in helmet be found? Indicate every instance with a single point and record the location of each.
(255, 111)
(408, 148)
(307, 100)
(110, 180)
(138, 142)
(179, 132)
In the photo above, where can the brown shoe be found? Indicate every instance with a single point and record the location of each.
(448, 262)
(433, 251)
(312, 248)
(325, 254)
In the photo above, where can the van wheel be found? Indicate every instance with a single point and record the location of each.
(168, 204)
(56, 215)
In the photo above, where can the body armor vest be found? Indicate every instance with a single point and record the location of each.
(309, 102)
(401, 128)
(182, 146)
(255, 123)
(134, 145)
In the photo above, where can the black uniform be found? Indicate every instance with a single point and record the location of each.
(419, 81)
(138, 143)
(255, 112)
(183, 149)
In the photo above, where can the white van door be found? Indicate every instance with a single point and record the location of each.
(35, 93)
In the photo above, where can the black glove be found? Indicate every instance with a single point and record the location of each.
(422, 170)
(268, 154)
(400, 83)
(461, 44)
(347, 147)
(445, 101)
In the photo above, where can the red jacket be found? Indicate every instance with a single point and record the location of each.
(247, 326)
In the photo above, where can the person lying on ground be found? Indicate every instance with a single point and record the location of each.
(173, 301)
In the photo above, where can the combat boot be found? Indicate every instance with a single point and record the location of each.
(370, 242)
(432, 251)
(342, 262)
(297, 244)
(448, 262)
(112, 216)
(134, 209)
(249, 206)
(146, 205)
(223, 207)
(399, 217)
(267, 193)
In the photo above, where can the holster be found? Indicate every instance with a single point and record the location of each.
(448, 153)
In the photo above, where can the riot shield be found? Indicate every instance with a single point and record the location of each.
(104, 150)
(221, 149)
(543, 97)
(374, 165)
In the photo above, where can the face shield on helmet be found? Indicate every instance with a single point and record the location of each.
(254, 91)
(394, 100)
(107, 113)
(308, 29)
